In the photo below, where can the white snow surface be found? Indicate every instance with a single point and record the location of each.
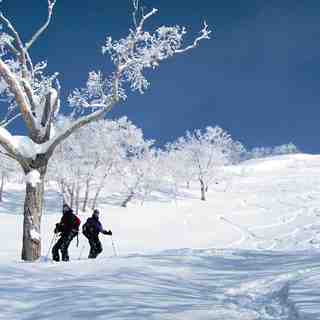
(250, 252)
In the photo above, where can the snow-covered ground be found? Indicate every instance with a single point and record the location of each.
(252, 251)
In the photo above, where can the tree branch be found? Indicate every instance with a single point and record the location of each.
(28, 91)
(51, 4)
(22, 52)
(80, 123)
(20, 97)
(13, 49)
(146, 17)
(8, 155)
(205, 34)
(12, 151)
(6, 122)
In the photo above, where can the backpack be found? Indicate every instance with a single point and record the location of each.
(87, 229)
(77, 222)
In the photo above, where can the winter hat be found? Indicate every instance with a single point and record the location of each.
(66, 208)
(96, 212)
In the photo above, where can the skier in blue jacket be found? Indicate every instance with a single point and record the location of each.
(91, 230)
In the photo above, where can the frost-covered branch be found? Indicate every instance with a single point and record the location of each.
(77, 124)
(7, 143)
(18, 93)
(205, 34)
(20, 48)
(7, 121)
(146, 17)
(51, 4)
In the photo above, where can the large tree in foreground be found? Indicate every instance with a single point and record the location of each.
(34, 95)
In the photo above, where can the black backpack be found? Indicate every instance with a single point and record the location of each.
(87, 229)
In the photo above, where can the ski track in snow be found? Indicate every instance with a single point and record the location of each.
(175, 284)
(243, 281)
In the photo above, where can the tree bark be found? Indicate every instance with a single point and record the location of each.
(127, 200)
(203, 190)
(33, 208)
(99, 189)
(71, 194)
(2, 186)
(86, 195)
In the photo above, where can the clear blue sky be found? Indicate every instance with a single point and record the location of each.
(258, 77)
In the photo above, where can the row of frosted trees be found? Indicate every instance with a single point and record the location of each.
(113, 158)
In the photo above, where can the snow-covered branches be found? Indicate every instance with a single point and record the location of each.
(262, 152)
(35, 95)
(98, 94)
(51, 4)
(204, 153)
(23, 85)
(141, 50)
(83, 168)
(131, 56)
(204, 34)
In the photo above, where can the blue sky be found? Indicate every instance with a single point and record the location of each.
(258, 77)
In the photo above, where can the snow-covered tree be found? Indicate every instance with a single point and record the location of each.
(138, 173)
(262, 152)
(83, 168)
(175, 163)
(206, 152)
(33, 95)
(289, 148)
(8, 169)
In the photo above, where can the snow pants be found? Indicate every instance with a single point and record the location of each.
(95, 247)
(62, 244)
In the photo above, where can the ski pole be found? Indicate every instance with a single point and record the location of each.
(53, 240)
(114, 248)
(81, 251)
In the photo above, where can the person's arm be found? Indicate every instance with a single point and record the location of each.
(59, 226)
(103, 231)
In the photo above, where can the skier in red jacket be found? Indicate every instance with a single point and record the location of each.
(68, 227)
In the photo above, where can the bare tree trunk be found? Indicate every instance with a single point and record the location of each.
(2, 186)
(99, 189)
(86, 195)
(96, 196)
(77, 198)
(33, 207)
(203, 190)
(71, 194)
(63, 192)
(127, 200)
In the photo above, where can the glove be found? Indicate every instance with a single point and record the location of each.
(107, 232)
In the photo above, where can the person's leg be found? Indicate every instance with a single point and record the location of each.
(55, 250)
(92, 248)
(95, 247)
(65, 245)
(98, 247)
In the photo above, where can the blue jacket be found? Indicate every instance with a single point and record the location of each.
(94, 226)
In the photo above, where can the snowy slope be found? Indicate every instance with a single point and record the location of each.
(252, 252)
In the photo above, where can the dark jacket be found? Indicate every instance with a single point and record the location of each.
(68, 223)
(93, 227)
